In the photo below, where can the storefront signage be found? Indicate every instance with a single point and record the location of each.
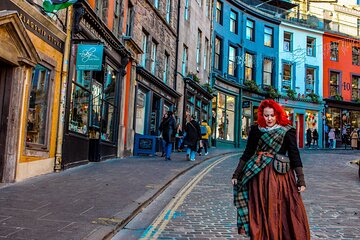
(246, 104)
(144, 144)
(89, 57)
(34, 26)
(347, 10)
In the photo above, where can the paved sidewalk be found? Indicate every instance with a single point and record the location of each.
(90, 201)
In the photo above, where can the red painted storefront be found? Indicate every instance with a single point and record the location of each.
(341, 72)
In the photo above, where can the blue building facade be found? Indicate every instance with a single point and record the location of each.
(244, 62)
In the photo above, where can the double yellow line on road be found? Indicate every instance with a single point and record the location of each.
(159, 224)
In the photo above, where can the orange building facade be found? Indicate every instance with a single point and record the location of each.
(341, 84)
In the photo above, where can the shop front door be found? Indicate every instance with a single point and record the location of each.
(5, 84)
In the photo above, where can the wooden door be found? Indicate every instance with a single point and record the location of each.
(5, 87)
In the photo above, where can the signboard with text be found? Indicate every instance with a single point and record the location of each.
(89, 57)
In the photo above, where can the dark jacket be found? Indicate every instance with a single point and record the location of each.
(193, 133)
(308, 135)
(315, 135)
(289, 146)
(168, 129)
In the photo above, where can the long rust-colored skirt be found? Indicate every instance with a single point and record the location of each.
(276, 210)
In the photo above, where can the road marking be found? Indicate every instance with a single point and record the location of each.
(159, 224)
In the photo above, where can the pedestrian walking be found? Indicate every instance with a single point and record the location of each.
(163, 142)
(267, 197)
(332, 139)
(308, 137)
(315, 136)
(205, 131)
(168, 129)
(192, 129)
(354, 139)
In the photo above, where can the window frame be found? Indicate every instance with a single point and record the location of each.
(290, 40)
(314, 84)
(153, 59)
(251, 30)
(252, 67)
(198, 50)
(206, 49)
(233, 61)
(233, 22)
(291, 76)
(335, 51)
(185, 56)
(186, 10)
(218, 55)
(311, 46)
(144, 48)
(353, 54)
(50, 78)
(338, 85)
(168, 11)
(166, 67)
(271, 35)
(270, 73)
(219, 12)
(352, 87)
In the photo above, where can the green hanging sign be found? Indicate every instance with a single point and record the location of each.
(89, 57)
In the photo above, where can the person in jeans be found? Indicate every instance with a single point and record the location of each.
(332, 138)
(205, 133)
(168, 129)
(192, 129)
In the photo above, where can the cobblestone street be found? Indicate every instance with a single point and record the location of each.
(332, 201)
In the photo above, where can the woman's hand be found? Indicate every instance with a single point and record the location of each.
(234, 181)
(301, 189)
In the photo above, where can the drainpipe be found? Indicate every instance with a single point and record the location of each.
(177, 45)
(64, 77)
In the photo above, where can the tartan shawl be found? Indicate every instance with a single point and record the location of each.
(270, 142)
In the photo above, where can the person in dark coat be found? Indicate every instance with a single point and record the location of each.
(163, 143)
(168, 129)
(308, 137)
(193, 135)
(315, 136)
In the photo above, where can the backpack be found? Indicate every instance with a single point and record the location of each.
(203, 130)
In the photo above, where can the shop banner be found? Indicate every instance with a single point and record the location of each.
(89, 57)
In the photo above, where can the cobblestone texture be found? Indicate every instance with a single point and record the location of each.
(332, 201)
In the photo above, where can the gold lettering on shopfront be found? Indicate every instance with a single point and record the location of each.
(41, 31)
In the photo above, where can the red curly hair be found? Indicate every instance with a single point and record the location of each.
(280, 114)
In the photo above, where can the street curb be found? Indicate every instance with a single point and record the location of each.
(146, 203)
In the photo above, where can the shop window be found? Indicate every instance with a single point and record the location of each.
(79, 105)
(95, 113)
(37, 116)
(310, 46)
(355, 119)
(233, 22)
(355, 88)
(288, 38)
(249, 67)
(267, 72)
(250, 30)
(109, 109)
(217, 60)
(311, 120)
(310, 81)
(334, 51)
(141, 102)
(356, 56)
(218, 13)
(287, 76)
(268, 36)
(232, 63)
(334, 83)
(225, 117)
(333, 121)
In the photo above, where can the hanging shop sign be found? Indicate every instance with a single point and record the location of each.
(89, 57)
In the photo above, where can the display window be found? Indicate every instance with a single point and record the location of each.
(225, 117)
(141, 102)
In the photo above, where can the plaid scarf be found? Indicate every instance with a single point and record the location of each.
(269, 142)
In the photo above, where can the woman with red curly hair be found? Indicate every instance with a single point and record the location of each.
(266, 194)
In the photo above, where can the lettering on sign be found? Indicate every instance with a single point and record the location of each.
(34, 26)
